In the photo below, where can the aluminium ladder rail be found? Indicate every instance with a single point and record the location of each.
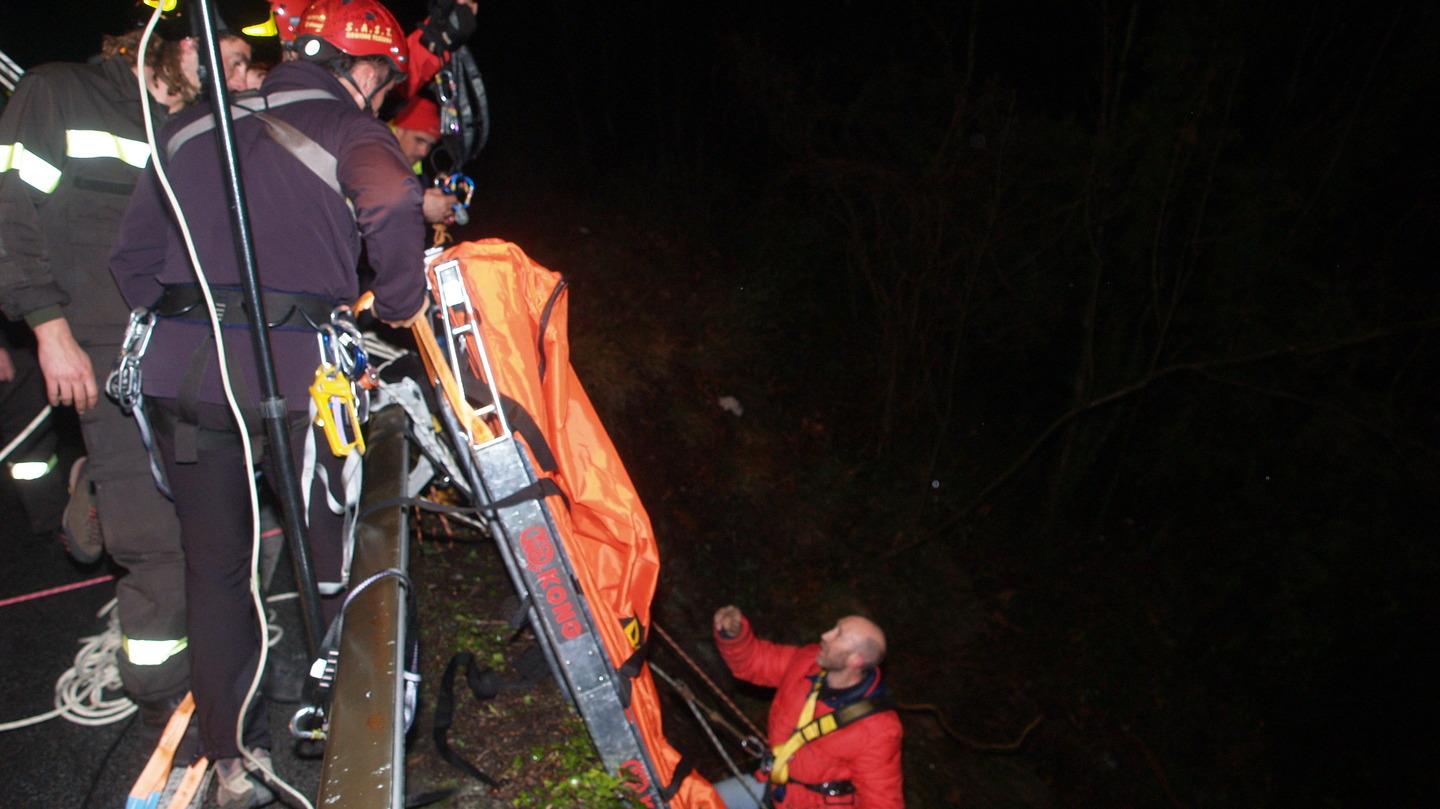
(528, 540)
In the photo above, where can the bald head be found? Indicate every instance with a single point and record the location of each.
(869, 639)
(854, 645)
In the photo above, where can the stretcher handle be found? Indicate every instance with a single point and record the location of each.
(438, 370)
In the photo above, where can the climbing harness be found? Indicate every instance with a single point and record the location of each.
(780, 758)
(339, 397)
(125, 387)
(810, 727)
(464, 109)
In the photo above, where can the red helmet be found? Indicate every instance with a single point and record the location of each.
(352, 27)
(419, 114)
(287, 14)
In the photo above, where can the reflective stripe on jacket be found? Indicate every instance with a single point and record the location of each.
(72, 143)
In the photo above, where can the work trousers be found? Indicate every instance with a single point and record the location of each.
(212, 502)
(141, 535)
(21, 399)
(744, 792)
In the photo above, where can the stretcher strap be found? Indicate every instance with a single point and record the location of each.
(147, 438)
(484, 685)
(351, 477)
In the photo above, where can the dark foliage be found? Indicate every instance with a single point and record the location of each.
(1086, 345)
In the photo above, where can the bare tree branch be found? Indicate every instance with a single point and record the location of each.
(1200, 366)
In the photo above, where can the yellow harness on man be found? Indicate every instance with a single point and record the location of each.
(808, 728)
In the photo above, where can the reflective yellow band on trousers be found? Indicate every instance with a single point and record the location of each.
(33, 470)
(36, 173)
(94, 143)
(153, 652)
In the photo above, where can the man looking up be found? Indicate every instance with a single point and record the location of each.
(832, 738)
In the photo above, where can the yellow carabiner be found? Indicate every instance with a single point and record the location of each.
(335, 403)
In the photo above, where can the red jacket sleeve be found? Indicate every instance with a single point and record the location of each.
(423, 64)
(876, 771)
(754, 660)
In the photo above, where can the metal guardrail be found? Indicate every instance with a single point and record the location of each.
(365, 753)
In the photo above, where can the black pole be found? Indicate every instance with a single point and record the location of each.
(272, 404)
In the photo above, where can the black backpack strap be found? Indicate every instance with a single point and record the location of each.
(632, 667)
(545, 323)
(484, 686)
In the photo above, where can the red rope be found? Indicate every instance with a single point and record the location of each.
(64, 588)
(699, 672)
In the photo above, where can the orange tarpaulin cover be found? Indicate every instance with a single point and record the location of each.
(605, 529)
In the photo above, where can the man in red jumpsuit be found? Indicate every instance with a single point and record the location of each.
(849, 759)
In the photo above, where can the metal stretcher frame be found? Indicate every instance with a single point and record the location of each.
(527, 537)
(364, 757)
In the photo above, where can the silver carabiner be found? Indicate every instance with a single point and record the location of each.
(137, 332)
(754, 747)
(308, 723)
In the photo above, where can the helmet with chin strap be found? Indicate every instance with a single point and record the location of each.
(356, 28)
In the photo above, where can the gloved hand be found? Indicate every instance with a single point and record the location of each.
(450, 25)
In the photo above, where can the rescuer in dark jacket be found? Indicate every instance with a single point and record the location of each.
(307, 244)
(72, 144)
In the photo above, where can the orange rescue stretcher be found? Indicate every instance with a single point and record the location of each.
(570, 525)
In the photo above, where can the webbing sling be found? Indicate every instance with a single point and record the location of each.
(809, 727)
(243, 106)
(780, 767)
(484, 685)
(314, 157)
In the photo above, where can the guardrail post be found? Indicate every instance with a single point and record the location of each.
(365, 753)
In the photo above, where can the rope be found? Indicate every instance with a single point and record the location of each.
(689, 696)
(50, 591)
(25, 433)
(80, 691)
(699, 672)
